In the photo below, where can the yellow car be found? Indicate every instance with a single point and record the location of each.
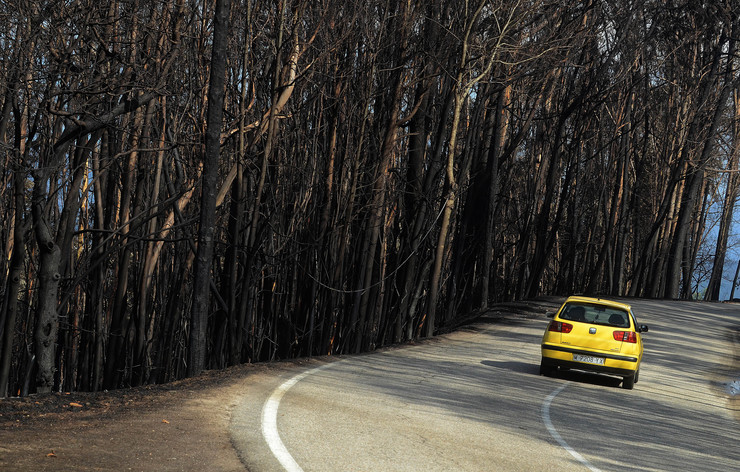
(594, 335)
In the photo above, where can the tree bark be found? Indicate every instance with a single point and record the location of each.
(206, 231)
(14, 282)
(47, 318)
(501, 126)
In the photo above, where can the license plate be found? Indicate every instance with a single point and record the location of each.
(588, 359)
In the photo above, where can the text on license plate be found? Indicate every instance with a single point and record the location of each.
(588, 359)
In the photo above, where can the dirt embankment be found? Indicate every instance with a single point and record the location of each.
(178, 426)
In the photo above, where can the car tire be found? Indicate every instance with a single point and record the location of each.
(629, 381)
(637, 375)
(546, 369)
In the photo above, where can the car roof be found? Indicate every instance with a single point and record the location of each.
(599, 301)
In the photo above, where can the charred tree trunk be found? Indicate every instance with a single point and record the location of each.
(47, 317)
(15, 275)
(501, 125)
(206, 231)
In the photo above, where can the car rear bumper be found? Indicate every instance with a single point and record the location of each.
(615, 364)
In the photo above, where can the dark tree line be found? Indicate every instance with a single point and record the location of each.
(194, 184)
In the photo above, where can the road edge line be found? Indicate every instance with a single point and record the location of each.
(269, 421)
(554, 433)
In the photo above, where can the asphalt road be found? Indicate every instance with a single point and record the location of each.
(474, 400)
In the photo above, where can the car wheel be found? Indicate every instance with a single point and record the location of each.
(546, 369)
(629, 382)
(637, 375)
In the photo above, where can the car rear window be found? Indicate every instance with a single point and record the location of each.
(595, 314)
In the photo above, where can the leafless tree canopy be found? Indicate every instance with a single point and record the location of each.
(364, 172)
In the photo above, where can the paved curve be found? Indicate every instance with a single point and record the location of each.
(473, 400)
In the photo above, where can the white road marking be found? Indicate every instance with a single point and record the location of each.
(553, 432)
(269, 421)
(272, 437)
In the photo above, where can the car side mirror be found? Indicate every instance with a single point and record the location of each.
(643, 329)
(550, 315)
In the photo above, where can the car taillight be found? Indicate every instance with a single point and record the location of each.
(625, 336)
(560, 327)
